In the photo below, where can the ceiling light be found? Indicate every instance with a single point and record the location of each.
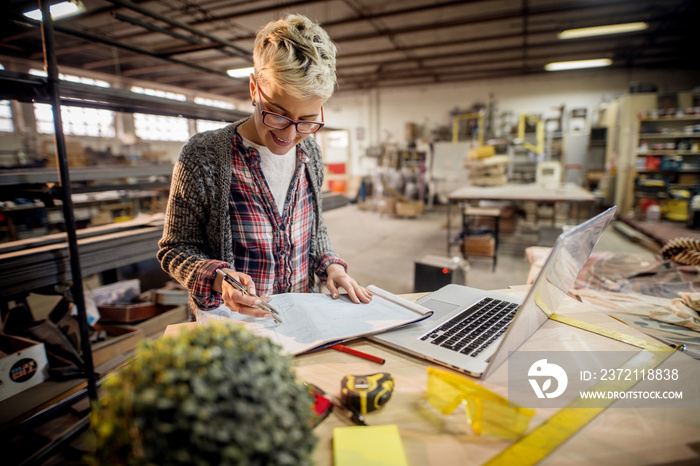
(577, 64)
(602, 30)
(240, 72)
(59, 10)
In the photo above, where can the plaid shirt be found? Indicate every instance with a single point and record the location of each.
(272, 248)
(197, 231)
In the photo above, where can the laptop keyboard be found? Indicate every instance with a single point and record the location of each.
(474, 329)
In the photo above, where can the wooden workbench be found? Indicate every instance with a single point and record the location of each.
(619, 436)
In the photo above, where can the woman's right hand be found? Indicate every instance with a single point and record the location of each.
(238, 301)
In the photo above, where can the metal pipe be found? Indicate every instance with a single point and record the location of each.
(154, 28)
(131, 6)
(136, 50)
(93, 38)
(64, 175)
(273, 8)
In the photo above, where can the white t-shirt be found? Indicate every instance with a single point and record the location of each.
(277, 169)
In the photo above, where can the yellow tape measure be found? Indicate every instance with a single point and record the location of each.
(545, 438)
(366, 393)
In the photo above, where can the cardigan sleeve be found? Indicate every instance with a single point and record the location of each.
(185, 250)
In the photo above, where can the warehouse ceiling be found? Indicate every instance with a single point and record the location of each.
(382, 43)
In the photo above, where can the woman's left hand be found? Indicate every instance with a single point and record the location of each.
(338, 278)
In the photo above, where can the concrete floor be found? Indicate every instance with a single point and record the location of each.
(382, 250)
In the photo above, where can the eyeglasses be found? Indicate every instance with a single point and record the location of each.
(277, 121)
(487, 412)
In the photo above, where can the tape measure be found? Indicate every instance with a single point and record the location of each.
(545, 438)
(366, 393)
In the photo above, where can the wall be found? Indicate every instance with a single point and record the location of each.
(380, 115)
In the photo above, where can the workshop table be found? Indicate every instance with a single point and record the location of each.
(620, 436)
(568, 193)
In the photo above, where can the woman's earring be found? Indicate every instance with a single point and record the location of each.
(253, 103)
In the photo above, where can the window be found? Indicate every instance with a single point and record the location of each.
(207, 125)
(77, 121)
(161, 128)
(72, 78)
(6, 123)
(44, 118)
(214, 103)
(159, 93)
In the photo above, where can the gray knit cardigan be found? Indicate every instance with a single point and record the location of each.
(197, 222)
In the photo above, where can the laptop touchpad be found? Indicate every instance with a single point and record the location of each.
(439, 306)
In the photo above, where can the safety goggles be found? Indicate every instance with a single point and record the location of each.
(487, 413)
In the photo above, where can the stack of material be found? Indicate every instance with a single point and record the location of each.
(75, 155)
(31, 264)
(489, 171)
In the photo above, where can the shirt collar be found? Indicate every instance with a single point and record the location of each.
(302, 156)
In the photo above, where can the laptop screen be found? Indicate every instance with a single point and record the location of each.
(569, 254)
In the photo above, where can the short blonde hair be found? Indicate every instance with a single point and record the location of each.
(298, 55)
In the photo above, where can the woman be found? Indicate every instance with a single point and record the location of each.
(246, 199)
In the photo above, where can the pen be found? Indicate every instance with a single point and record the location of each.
(359, 354)
(351, 414)
(239, 286)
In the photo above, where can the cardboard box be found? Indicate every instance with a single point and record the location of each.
(687, 178)
(129, 313)
(23, 365)
(170, 297)
(120, 339)
(409, 208)
(155, 326)
(479, 245)
(386, 205)
(366, 205)
(508, 223)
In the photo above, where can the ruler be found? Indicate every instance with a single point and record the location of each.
(561, 426)
(613, 334)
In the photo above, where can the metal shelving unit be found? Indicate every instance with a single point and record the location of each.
(82, 174)
(666, 141)
(78, 253)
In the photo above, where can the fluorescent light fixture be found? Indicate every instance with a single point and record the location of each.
(240, 72)
(58, 10)
(577, 64)
(602, 30)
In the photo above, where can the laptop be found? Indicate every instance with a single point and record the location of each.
(473, 331)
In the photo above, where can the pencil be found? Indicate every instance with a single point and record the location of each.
(360, 354)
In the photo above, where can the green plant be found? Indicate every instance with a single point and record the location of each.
(214, 395)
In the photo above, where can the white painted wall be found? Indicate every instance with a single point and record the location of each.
(380, 115)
